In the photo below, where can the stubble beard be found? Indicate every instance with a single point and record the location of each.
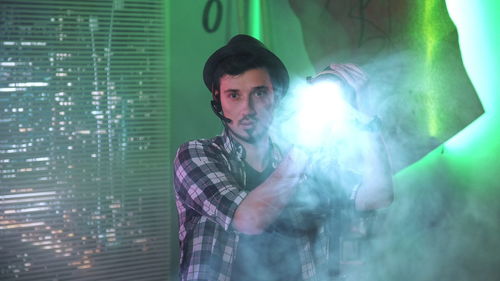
(251, 137)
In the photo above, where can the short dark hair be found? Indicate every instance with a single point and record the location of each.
(240, 54)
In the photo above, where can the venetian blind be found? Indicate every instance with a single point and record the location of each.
(84, 170)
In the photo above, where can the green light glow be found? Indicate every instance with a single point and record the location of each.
(480, 48)
(431, 32)
(429, 29)
(473, 153)
(433, 122)
(255, 24)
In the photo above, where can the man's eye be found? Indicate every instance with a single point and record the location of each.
(260, 93)
(233, 95)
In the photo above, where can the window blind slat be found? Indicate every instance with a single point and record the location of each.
(84, 157)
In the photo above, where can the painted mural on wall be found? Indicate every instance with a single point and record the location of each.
(418, 84)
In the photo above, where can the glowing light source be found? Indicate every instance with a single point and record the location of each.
(319, 116)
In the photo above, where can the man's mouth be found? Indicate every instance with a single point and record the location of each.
(247, 122)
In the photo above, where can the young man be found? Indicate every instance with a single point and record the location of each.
(233, 191)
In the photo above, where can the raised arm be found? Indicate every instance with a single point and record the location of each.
(203, 182)
(263, 204)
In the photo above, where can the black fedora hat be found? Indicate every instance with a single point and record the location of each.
(254, 53)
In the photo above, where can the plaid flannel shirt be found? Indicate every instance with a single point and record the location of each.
(209, 177)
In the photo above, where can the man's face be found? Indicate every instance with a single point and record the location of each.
(248, 100)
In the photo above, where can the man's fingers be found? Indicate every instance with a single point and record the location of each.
(351, 74)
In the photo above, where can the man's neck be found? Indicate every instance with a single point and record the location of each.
(256, 153)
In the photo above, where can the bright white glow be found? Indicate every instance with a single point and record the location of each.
(26, 210)
(31, 194)
(318, 121)
(12, 89)
(42, 243)
(33, 43)
(19, 225)
(39, 159)
(29, 84)
(321, 114)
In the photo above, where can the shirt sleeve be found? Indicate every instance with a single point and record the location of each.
(204, 183)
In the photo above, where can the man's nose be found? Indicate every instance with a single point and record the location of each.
(248, 106)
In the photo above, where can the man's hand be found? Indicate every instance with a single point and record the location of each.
(352, 78)
(294, 165)
(263, 204)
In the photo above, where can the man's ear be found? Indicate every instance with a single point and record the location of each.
(216, 102)
(215, 95)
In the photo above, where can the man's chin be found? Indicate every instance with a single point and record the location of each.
(244, 137)
(248, 136)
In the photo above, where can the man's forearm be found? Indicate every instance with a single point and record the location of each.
(263, 204)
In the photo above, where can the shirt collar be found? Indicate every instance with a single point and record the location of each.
(235, 148)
